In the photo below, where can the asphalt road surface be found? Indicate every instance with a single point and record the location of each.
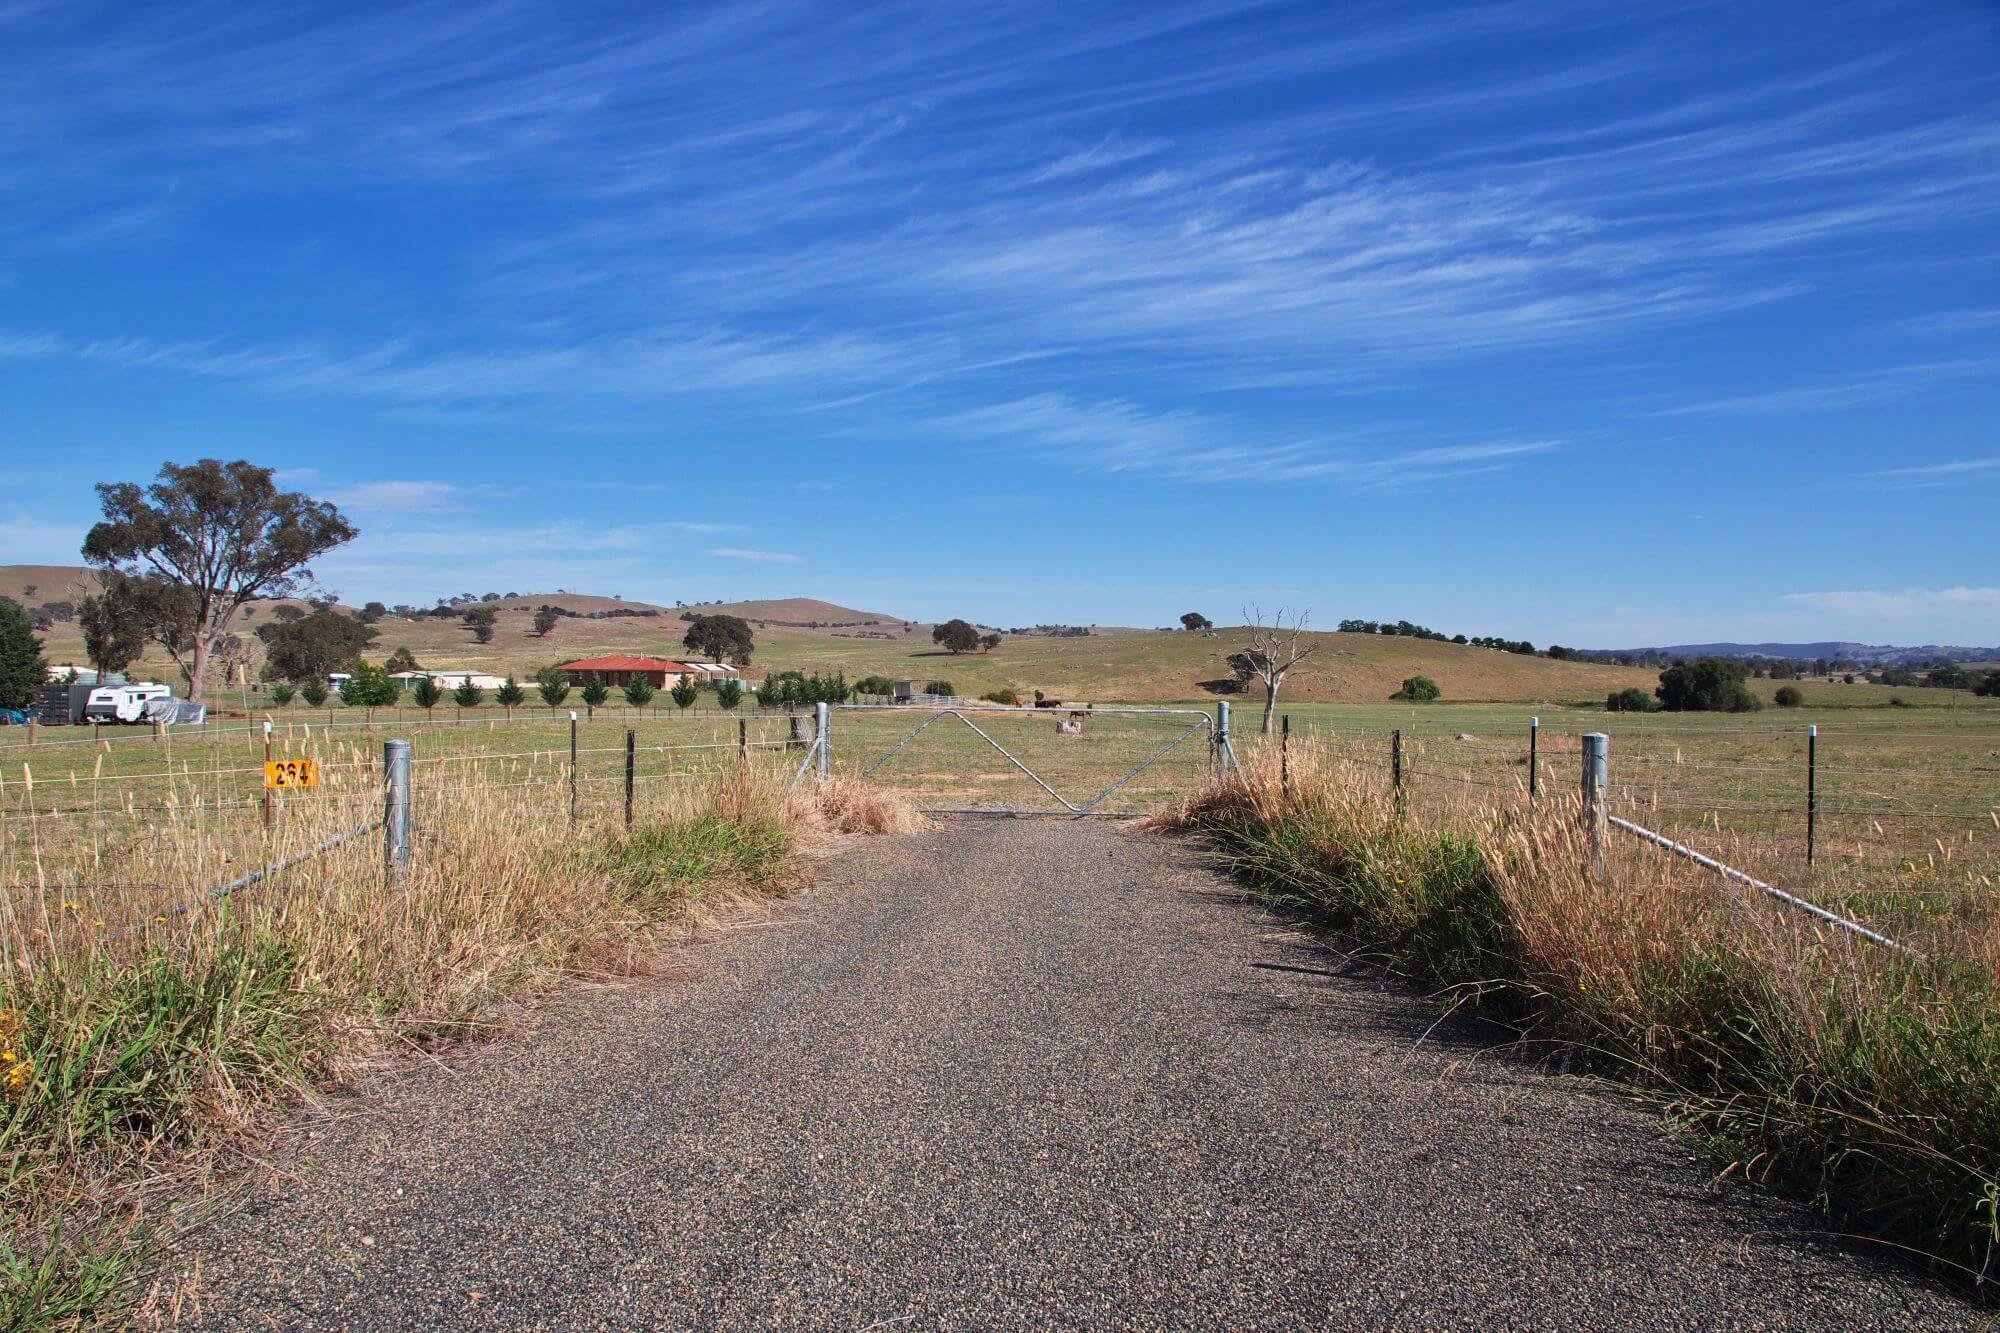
(1015, 1074)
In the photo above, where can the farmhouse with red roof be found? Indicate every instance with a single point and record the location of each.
(621, 670)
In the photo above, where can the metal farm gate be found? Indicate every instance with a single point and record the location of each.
(992, 759)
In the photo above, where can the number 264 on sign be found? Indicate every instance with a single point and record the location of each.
(288, 773)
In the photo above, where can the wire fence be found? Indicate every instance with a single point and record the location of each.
(981, 759)
(165, 834)
(1896, 830)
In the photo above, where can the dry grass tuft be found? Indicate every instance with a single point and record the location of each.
(844, 804)
(1862, 1078)
(137, 1042)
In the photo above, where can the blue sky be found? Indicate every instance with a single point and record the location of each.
(1595, 323)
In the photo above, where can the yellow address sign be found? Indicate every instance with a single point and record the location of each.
(290, 773)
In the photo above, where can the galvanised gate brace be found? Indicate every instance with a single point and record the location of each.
(1222, 753)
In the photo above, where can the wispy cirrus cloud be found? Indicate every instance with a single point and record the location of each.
(775, 210)
(424, 554)
(1116, 436)
(1915, 604)
(1867, 386)
(1953, 473)
(753, 556)
(400, 497)
(658, 363)
(1111, 151)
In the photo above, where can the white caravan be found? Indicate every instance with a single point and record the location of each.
(123, 703)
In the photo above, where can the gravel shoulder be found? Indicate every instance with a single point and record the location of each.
(1012, 1073)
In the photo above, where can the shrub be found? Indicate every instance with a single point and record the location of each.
(684, 692)
(510, 694)
(729, 692)
(882, 685)
(427, 693)
(1707, 685)
(1006, 697)
(313, 692)
(1418, 690)
(1631, 699)
(370, 687)
(639, 691)
(282, 693)
(552, 683)
(1788, 696)
(468, 695)
(941, 687)
(595, 691)
(796, 687)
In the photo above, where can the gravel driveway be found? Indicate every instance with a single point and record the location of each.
(1013, 1073)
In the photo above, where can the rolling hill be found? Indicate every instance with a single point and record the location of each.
(51, 583)
(1867, 654)
(1145, 666)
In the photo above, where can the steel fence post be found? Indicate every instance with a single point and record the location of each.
(1534, 757)
(1221, 740)
(1812, 789)
(572, 767)
(1285, 754)
(1396, 762)
(820, 716)
(631, 745)
(396, 809)
(267, 777)
(1596, 778)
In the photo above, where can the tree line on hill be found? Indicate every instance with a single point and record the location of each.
(1721, 685)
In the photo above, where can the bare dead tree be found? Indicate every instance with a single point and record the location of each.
(1273, 650)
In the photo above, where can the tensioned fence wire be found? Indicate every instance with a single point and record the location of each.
(198, 828)
(1905, 829)
(344, 720)
(1002, 760)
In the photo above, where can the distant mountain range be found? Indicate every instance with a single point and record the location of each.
(1867, 654)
